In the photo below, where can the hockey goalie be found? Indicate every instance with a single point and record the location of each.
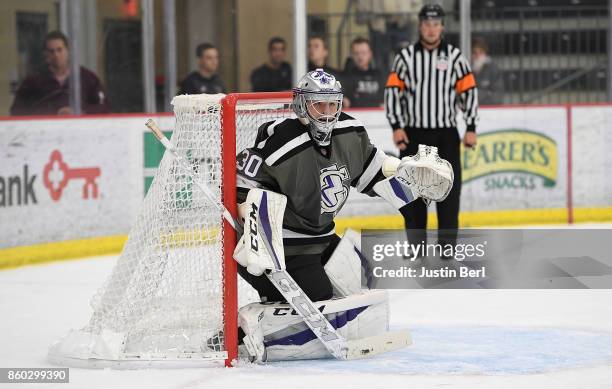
(291, 184)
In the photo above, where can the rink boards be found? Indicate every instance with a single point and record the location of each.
(71, 187)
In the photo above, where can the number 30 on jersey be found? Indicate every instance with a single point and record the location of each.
(248, 163)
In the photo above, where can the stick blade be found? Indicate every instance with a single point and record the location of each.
(378, 344)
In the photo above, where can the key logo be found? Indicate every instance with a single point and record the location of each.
(56, 175)
(333, 191)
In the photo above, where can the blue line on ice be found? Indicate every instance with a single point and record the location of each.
(480, 350)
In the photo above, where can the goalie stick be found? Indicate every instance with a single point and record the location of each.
(338, 347)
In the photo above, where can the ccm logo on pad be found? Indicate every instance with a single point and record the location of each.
(253, 228)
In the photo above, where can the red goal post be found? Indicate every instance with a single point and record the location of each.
(230, 293)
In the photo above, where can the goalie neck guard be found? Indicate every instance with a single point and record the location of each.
(317, 102)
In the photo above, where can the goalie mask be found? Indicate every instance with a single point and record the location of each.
(317, 102)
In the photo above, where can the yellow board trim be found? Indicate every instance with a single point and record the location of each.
(584, 215)
(466, 219)
(73, 249)
(60, 251)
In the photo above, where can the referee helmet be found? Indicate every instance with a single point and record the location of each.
(431, 12)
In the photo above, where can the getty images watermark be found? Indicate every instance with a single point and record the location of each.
(413, 252)
(487, 258)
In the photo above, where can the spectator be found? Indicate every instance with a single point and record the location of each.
(46, 91)
(274, 75)
(317, 55)
(205, 79)
(363, 85)
(391, 25)
(487, 74)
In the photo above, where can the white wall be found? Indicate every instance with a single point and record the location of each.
(115, 145)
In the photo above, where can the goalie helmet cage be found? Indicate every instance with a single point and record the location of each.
(172, 298)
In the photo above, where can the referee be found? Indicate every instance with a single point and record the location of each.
(427, 82)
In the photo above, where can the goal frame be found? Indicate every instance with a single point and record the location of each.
(229, 177)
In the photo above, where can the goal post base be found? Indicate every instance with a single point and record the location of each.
(87, 350)
(135, 364)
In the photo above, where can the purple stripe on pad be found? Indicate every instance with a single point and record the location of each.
(305, 336)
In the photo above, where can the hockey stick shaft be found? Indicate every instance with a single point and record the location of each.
(285, 284)
(170, 147)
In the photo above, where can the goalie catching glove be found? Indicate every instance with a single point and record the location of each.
(261, 245)
(428, 175)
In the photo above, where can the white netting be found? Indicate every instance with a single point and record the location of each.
(164, 297)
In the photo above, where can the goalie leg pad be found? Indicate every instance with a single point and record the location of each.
(249, 319)
(286, 336)
(344, 266)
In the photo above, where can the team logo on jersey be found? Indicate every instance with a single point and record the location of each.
(368, 87)
(333, 190)
(442, 62)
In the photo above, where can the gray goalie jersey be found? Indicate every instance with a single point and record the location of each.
(315, 180)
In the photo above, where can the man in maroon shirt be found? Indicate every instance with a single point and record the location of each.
(46, 91)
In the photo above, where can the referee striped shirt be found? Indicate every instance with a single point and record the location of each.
(425, 87)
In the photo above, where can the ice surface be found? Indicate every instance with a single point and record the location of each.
(462, 339)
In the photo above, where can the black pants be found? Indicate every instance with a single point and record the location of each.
(307, 270)
(415, 216)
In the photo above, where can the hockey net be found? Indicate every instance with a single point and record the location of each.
(173, 295)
